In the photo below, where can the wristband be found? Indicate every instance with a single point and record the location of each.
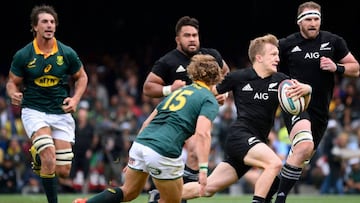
(166, 90)
(340, 69)
(203, 167)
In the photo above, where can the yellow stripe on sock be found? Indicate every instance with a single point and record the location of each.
(47, 175)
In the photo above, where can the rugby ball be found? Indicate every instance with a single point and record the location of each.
(288, 104)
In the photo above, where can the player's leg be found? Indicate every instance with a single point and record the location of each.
(191, 172)
(301, 151)
(263, 157)
(170, 190)
(273, 189)
(216, 182)
(133, 185)
(45, 148)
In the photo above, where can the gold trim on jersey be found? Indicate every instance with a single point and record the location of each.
(54, 50)
(202, 84)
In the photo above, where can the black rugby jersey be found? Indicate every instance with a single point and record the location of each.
(255, 99)
(172, 66)
(300, 59)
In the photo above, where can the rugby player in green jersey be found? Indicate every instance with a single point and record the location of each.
(39, 79)
(186, 112)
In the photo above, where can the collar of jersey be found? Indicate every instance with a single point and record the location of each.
(202, 84)
(38, 51)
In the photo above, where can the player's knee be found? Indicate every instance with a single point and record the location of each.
(44, 145)
(42, 142)
(303, 145)
(276, 164)
(63, 162)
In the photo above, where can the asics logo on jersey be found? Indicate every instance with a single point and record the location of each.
(47, 68)
(323, 46)
(180, 69)
(247, 88)
(296, 49)
(32, 64)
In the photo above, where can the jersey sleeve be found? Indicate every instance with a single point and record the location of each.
(18, 64)
(341, 48)
(159, 68)
(230, 80)
(210, 109)
(74, 61)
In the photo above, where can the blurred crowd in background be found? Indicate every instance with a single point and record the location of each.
(114, 108)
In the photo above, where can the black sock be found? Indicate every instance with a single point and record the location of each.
(50, 187)
(190, 175)
(257, 199)
(289, 176)
(110, 195)
(273, 189)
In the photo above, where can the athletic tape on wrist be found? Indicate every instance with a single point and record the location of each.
(166, 90)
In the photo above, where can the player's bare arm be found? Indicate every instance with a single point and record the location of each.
(81, 80)
(13, 88)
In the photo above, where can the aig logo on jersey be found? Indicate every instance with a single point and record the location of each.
(312, 55)
(261, 95)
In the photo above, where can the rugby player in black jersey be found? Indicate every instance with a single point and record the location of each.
(315, 57)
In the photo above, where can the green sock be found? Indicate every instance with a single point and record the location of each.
(110, 195)
(50, 188)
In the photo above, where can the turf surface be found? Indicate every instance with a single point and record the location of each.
(63, 198)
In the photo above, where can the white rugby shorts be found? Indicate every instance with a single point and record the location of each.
(143, 158)
(62, 125)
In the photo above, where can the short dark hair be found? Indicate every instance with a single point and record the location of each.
(186, 21)
(34, 16)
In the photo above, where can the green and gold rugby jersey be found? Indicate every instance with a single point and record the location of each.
(45, 77)
(176, 119)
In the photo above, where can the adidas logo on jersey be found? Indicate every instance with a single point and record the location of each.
(296, 49)
(180, 69)
(247, 88)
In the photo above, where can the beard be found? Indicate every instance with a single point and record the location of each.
(189, 52)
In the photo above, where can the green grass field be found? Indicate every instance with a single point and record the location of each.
(216, 199)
